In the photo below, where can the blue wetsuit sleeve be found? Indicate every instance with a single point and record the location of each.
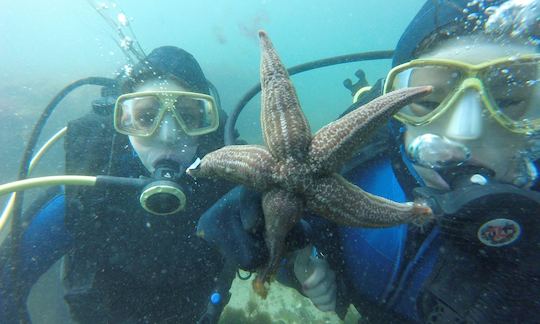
(44, 242)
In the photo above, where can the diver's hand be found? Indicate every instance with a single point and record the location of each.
(234, 225)
(317, 279)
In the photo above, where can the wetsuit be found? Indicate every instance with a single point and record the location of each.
(407, 274)
(122, 264)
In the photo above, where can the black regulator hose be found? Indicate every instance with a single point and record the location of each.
(355, 57)
(17, 221)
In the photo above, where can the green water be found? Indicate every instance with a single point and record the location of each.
(47, 44)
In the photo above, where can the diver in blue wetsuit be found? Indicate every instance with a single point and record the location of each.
(470, 150)
(123, 263)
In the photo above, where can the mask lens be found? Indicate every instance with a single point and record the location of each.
(199, 115)
(515, 90)
(137, 116)
(443, 79)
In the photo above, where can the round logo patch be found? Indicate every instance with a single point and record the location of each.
(499, 232)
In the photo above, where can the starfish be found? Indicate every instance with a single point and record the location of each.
(296, 170)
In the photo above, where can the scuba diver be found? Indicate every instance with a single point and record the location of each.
(132, 257)
(471, 150)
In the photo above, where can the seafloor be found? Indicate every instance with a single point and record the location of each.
(283, 305)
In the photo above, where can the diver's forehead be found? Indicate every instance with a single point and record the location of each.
(160, 85)
(475, 50)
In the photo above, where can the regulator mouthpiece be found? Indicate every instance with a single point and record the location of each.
(164, 196)
(437, 152)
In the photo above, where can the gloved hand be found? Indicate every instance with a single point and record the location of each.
(318, 281)
(235, 225)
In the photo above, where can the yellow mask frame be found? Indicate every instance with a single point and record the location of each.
(167, 101)
(471, 78)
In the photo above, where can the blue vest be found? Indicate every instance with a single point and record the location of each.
(374, 257)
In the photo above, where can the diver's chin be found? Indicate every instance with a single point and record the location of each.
(479, 165)
(432, 178)
(441, 179)
(522, 173)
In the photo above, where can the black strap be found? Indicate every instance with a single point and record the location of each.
(223, 285)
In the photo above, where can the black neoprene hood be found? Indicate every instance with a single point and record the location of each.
(172, 61)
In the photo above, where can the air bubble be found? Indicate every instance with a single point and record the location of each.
(490, 10)
(126, 43)
(122, 19)
(473, 16)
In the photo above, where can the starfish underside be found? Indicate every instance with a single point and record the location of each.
(296, 170)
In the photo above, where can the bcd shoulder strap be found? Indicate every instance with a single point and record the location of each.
(87, 146)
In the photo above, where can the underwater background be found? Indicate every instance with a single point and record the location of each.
(45, 45)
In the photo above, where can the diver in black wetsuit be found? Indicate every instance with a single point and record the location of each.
(122, 263)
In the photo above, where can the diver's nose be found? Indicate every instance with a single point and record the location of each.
(168, 129)
(466, 117)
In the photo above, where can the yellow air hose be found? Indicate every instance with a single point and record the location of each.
(21, 185)
(11, 202)
(45, 181)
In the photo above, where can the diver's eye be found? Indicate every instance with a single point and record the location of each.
(190, 110)
(146, 118)
(428, 105)
(509, 102)
(422, 108)
(514, 108)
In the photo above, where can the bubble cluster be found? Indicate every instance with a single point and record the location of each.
(127, 69)
(517, 18)
(475, 14)
(122, 19)
(126, 43)
(120, 24)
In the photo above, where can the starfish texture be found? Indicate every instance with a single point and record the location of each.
(296, 170)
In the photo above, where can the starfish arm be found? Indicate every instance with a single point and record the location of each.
(338, 200)
(282, 210)
(285, 129)
(250, 165)
(337, 142)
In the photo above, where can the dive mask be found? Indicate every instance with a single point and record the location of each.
(508, 87)
(140, 113)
